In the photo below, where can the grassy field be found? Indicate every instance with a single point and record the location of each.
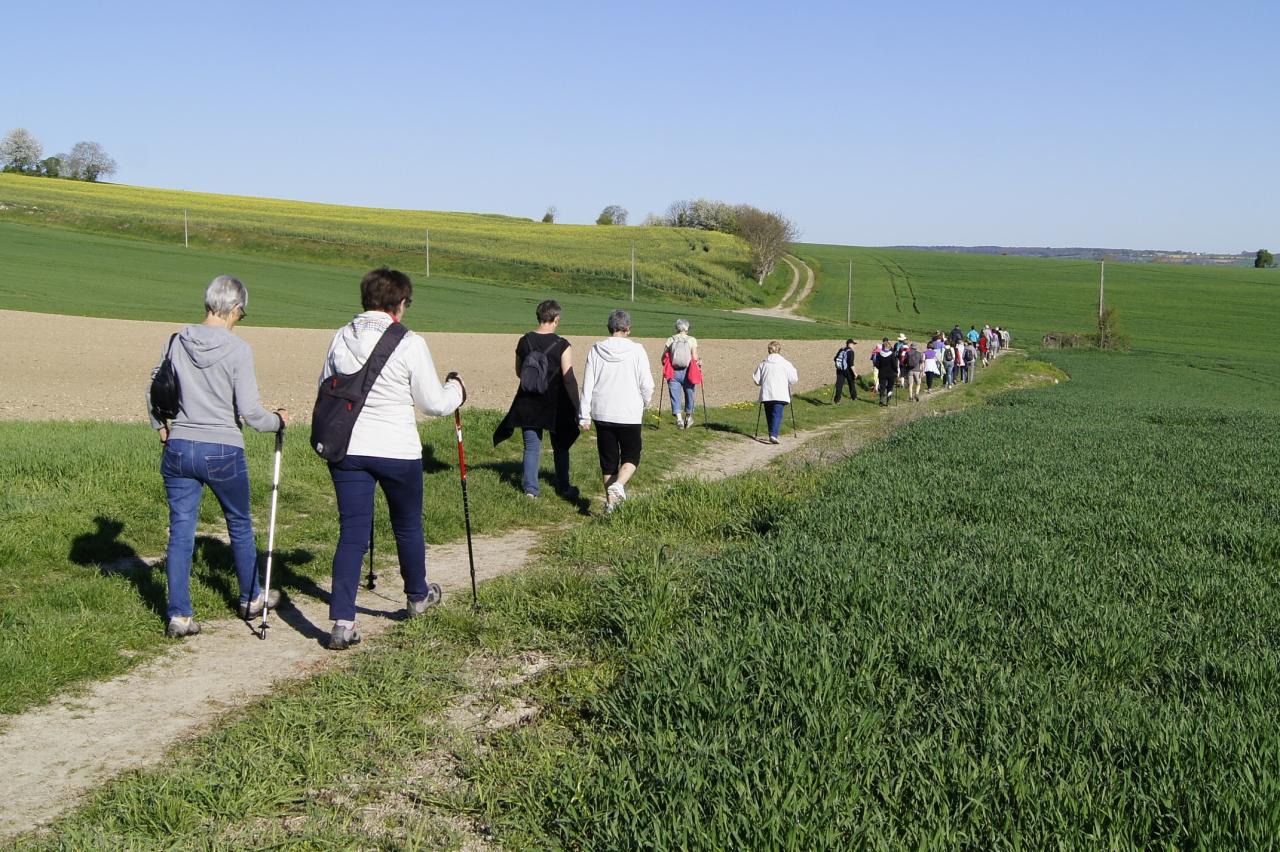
(326, 754)
(1168, 309)
(682, 264)
(63, 272)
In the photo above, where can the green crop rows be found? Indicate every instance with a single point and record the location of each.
(1170, 309)
(1050, 622)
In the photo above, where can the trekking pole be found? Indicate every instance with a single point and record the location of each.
(271, 531)
(759, 408)
(664, 387)
(466, 506)
(706, 424)
(370, 582)
(794, 430)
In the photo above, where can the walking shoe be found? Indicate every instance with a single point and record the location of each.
(531, 495)
(679, 422)
(688, 420)
(250, 610)
(342, 638)
(181, 625)
(613, 496)
(417, 608)
(773, 439)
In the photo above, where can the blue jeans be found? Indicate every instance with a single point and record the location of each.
(682, 392)
(187, 467)
(354, 480)
(533, 457)
(773, 416)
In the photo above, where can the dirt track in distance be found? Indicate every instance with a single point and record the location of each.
(82, 368)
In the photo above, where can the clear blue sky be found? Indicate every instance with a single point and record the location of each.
(1131, 124)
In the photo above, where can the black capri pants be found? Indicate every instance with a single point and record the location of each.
(617, 444)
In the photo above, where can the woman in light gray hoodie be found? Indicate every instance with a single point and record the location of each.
(203, 446)
(616, 387)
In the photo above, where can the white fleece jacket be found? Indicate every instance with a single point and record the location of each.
(775, 376)
(387, 426)
(617, 384)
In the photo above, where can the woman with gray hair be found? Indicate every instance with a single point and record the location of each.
(616, 387)
(680, 353)
(203, 446)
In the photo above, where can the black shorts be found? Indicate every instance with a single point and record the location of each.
(618, 444)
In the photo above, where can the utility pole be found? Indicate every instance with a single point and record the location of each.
(184, 230)
(633, 270)
(1102, 280)
(848, 308)
(428, 250)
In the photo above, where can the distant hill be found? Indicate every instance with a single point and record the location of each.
(1186, 258)
(675, 264)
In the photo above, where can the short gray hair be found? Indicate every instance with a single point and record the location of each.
(619, 320)
(225, 294)
(682, 326)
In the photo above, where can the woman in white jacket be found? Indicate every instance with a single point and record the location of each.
(616, 388)
(775, 376)
(385, 448)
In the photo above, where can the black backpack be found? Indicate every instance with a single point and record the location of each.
(914, 359)
(166, 395)
(536, 370)
(341, 398)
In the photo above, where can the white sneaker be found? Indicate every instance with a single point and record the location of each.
(688, 421)
(679, 422)
(613, 496)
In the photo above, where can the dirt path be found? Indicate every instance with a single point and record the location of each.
(53, 755)
(786, 307)
(96, 369)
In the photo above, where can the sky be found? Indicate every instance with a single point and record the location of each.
(1118, 124)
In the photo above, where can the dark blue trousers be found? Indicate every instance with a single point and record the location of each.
(354, 480)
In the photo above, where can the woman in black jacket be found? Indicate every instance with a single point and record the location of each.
(547, 399)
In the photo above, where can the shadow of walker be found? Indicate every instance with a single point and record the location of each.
(104, 550)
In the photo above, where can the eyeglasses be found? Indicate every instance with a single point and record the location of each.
(243, 312)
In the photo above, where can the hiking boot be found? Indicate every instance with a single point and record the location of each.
(342, 638)
(181, 625)
(250, 610)
(417, 608)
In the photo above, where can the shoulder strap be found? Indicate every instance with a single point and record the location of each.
(381, 352)
(169, 351)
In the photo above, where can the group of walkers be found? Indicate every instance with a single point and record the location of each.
(947, 359)
(373, 441)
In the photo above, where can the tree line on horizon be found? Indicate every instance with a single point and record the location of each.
(21, 153)
(767, 234)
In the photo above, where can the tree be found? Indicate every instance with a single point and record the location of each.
(20, 151)
(51, 166)
(1264, 260)
(549, 217)
(767, 235)
(88, 161)
(612, 215)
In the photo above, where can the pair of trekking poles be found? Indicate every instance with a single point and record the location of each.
(760, 408)
(371, 581)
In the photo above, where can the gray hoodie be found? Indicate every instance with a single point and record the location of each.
(218, 387)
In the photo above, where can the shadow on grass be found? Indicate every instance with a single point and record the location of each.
(431, 464)
(104, 550)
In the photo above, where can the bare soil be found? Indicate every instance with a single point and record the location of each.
(97, 369)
